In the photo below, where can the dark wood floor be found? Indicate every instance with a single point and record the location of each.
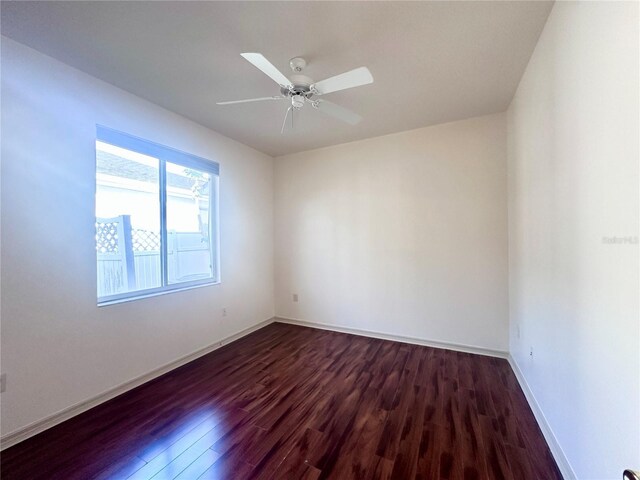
(289, 402)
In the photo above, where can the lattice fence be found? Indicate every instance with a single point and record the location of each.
(141, 240)
(107, 237)
(145, 240)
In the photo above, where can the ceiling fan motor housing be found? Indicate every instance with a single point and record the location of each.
(301, 85)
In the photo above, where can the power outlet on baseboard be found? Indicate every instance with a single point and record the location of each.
(3, 382)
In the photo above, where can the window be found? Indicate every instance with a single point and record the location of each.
(156, 218)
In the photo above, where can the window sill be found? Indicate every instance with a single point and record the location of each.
(154, 293)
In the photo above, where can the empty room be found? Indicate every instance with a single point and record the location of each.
(311, 240)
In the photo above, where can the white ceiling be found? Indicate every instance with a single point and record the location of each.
(432, 62)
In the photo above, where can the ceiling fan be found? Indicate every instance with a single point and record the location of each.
(300, 89)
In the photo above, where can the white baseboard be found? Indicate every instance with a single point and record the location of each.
(396, 338)
(549, 436)
(41, 425)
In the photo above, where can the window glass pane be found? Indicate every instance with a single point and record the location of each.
(188, 231)
(127, 220)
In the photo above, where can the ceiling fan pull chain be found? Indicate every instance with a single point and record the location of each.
(285, 120)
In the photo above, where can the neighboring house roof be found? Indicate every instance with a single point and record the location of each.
(116, 166)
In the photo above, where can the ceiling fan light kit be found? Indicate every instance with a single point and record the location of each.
(300, 89)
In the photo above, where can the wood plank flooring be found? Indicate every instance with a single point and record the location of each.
(289, 402)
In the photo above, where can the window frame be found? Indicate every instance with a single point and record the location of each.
(166, 154)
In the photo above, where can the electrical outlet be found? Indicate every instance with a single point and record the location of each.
(518, 331)
(295, 297)
(224, 312)
(3, 382)
(531, 352)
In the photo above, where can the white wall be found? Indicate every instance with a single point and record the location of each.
(58, 348)
(573, 180)
(403, 234)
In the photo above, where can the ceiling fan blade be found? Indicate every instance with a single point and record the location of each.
(350, 79)
(250, 100)
(258, 61)
(338, 112)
